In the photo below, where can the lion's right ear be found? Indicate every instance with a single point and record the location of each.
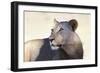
(74, 24)
(55, 21)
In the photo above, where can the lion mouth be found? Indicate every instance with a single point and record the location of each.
(57, 45)
(53, 47)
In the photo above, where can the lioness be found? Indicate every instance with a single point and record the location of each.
(66, 39)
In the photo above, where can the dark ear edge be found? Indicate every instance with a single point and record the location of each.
(74, 24)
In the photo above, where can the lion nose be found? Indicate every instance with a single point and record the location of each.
(51, 40)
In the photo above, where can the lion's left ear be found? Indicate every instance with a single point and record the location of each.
(74, 24)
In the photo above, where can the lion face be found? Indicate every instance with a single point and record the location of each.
(61, 33)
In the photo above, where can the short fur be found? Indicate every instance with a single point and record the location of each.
(63, 35)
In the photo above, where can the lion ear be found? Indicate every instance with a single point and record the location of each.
(55, 21)
(74, 24)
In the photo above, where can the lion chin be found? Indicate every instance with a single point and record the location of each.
(53, 47)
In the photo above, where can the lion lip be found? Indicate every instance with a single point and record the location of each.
(53, 45)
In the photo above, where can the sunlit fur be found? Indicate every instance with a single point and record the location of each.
(32, 49)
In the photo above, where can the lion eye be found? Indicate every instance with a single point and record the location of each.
(61, 29)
